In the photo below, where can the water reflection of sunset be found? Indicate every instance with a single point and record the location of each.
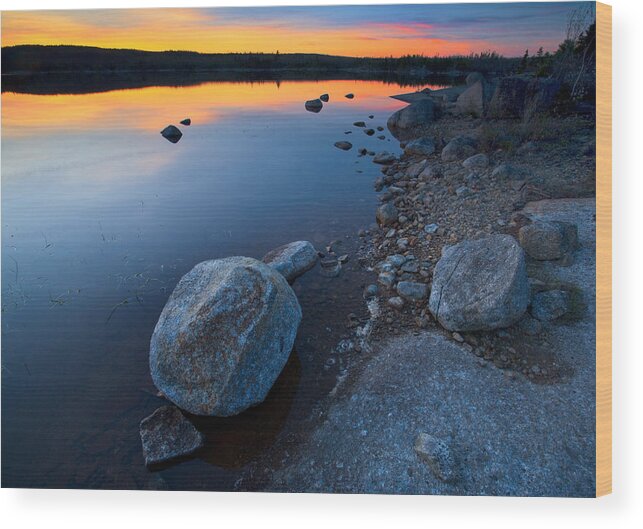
(149, 108)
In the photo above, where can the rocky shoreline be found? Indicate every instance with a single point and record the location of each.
(458, 257)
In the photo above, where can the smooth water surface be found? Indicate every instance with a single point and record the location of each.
(100, 218)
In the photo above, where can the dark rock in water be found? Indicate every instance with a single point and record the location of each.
(369, 132)
(330, 267)
(437, 455)
(324, 98)
(171, 133)
(549, 305)
(547, 241)
(344, 145)
(414, 115)
(359, 124)
(380, 128)
(371, 291)
(480, 284)
(386, 214)
(458, 148)
(187, 122)
(381, 137)
(167, 434)
(314, 105)
(349, 96)
(371, 116)
(292, 260)
(224, 336)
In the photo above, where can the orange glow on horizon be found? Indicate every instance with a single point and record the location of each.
(184, 29)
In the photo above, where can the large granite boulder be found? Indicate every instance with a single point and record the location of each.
(540, 94)
(386, 214)
(474, 101)
(420, 147)
(224, 336)
(292, 260)
(415, 115)
(480, 284)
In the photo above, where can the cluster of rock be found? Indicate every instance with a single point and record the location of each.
(316, 105)
(507, 97)
(221, 341)
(172, 133)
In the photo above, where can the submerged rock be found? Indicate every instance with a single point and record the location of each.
(224, 336)
(480, 284)
(369, 132)
(324, 98)
(167, 434)
(359, 124)
(314, 105)
(171, 133)
(349, 96)
(292, 260)
(187, 122)
(344, 145)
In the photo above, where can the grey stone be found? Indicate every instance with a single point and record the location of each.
(224, 336)
(293, 259)
(324, 98)
(480, 284)
(431, 228)
(549, 305)
(371, 291)
(437, 455)
(547, 241)
(387, 279)
(187, 122)
(458, 148)
(344, 145)
(474, 100)
(413, 171)
(369, 132)
(384, 158)
(477, 161)
(396, 302)
(508, 99)
(503, 170)
(420, 147)
(414, 115)
(167, 434)
(413, 291)
(359, 124)
(313, 105)
(463, 191)
(171, 133)
(386, 214)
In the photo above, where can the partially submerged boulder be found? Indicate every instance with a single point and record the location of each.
(224, 336)
(187, 122)
(480, 284)
(171, 133)
(167, 435)
(344, 145)
(324, 98)
(313, 105)
(292, 260)
(415, 115)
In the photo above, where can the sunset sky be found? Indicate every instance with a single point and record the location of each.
(376, 31)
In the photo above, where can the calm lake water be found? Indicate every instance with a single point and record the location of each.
(100, 218)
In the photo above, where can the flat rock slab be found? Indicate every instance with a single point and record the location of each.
(167, 435)
(292, 260)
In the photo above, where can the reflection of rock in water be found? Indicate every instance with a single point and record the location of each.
(232, 442)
